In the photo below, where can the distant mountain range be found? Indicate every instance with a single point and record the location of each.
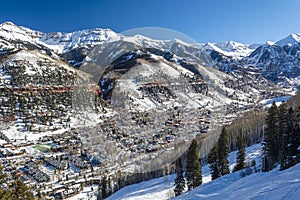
(278, 62)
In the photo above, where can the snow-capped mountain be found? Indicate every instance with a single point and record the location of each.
(73, 47)
(58, 42)
(64, 42)
(278, 62)
(12, 32)
(230, 49)
(291, 39)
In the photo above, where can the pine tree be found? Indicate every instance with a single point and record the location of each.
(179, 180)
(217, 158)
(213, 160)
(3, 176)
(297, 136)
(290, 145)
(20, 190)
(223, 152)
(193, 166)
(104, 187)
(282, 130)
(271, 150)
(4, 194)
(109, 187)
(241, 155)
(99, 195)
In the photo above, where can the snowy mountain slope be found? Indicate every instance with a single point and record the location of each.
(216, 81)
(169, 85)
(157, 92)
(272, 185)
(161, 188)
(39, 88)
(155, 189)
(12, 32)
(278, 62)
(63, 42)
(143, 75)
(231, 49)
(13, 38)
(73, 47)
(58, 42)
(291, 39)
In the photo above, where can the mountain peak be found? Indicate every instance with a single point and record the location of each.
(7, 24)
(270, 43)
(291, 39)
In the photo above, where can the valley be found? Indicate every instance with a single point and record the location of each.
(77, 108)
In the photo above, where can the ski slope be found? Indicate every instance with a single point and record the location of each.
(272, 185)
(162, 188)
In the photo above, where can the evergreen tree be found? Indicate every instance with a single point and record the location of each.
(4, 194)
(213, 160)
(217, 158)
(271, 147)
(179, 180)
(241, 155)
(3, 176)
(223, 152)
(297, 137)
(282, 129)
(290, 145)
(193, 166)
(109, 187)
(104, 187)
(20, 190)
(99, 195)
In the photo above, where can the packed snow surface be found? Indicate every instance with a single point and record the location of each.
(162, 188)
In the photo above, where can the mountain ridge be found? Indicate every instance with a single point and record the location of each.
(278, 62)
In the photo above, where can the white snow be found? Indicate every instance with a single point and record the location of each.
(87, 194)
(291, 39)
(59, 42)
(272, 185)
(278, 101)
(270, 43)
(161, 188)
(230, 49)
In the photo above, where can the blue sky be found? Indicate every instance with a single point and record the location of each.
(254, 21)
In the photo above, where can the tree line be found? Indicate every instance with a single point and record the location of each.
(12, 188)
(281, 137)
(217, 158)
